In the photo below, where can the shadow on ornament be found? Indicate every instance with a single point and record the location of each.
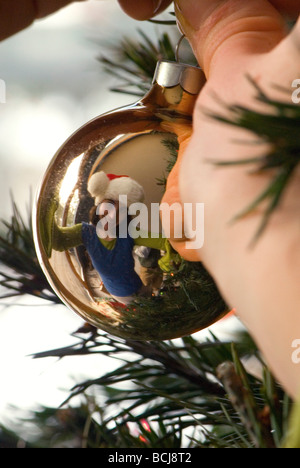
(132, 287)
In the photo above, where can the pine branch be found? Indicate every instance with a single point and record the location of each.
(174, 387)
(133, 62)
(20, 272)
(279, 128)
(236, 383)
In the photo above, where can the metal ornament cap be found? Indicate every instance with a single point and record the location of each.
(169, 74)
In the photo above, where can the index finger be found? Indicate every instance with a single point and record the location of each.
(15, 18)
(227, 33)
(289, 7)
(144, 9)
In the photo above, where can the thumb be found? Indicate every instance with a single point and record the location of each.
(172, 196)
(223, 33)
(14, 18)
(143, 9)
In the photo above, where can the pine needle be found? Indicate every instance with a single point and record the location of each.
(280, 130)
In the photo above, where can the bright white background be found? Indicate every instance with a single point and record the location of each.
(54, 84)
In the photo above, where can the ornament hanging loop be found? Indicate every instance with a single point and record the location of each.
(169, 74)
(177, 49)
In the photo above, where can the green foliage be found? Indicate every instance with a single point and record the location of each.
(277, 127)
(181, 393)
(133, 62)
(20, 272)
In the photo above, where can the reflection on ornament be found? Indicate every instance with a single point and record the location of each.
(174, 297)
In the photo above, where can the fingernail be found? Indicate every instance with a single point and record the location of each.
(191, 13)
(156, 5)
(183, 12)
(182, 24)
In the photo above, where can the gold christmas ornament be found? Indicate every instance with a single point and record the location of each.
(97, 227)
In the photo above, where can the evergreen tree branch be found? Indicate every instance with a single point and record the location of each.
(279, 128)
(166, 390)
(20, 272)
(133, 62)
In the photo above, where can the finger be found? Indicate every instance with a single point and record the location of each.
(172, 196)
(45, 8)
(288, 7)
(283, 61)
(226, 33)
(13, 19)
(143, 9)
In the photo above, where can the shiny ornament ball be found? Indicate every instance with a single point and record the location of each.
(129, 151)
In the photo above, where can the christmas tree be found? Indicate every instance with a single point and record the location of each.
(169, 394)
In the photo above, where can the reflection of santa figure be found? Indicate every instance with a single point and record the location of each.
(112, 257)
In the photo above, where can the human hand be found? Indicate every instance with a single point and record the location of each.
(144, 9)
(16, 18)
(232, 39)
